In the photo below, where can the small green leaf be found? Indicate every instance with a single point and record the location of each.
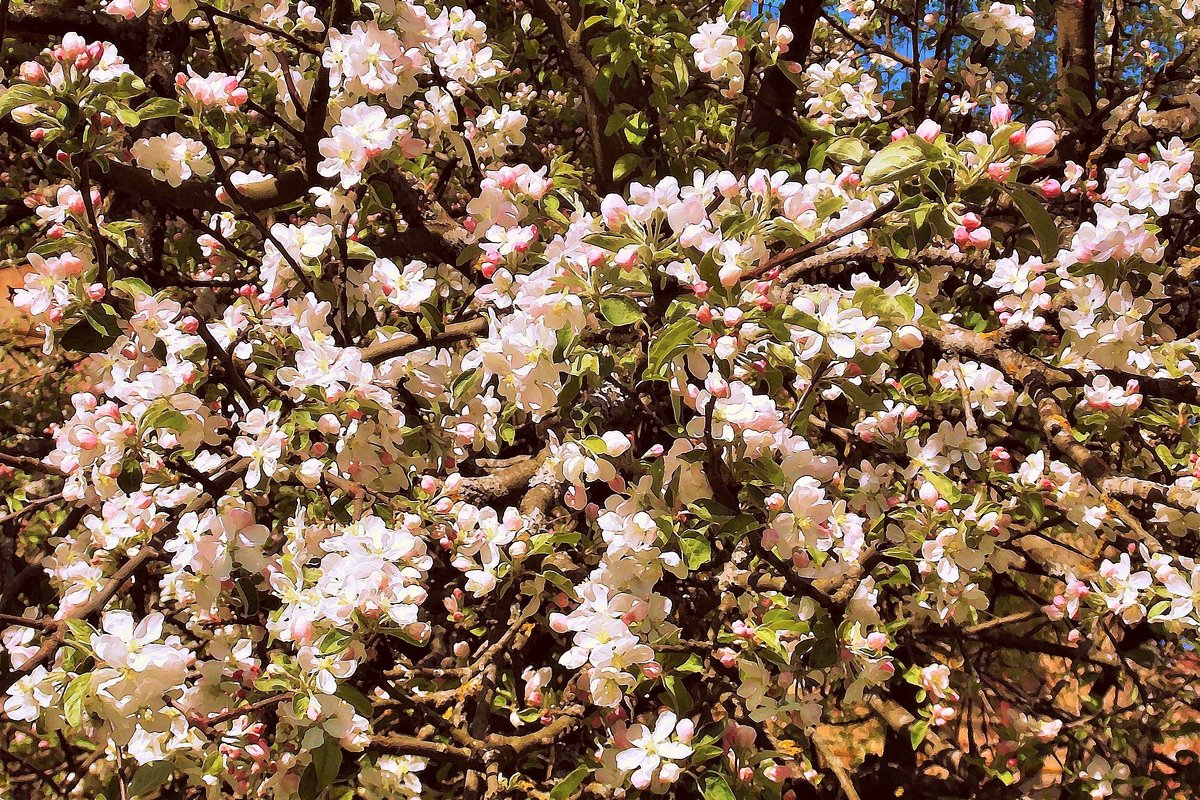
(128, 117)
(357, 251)
(620, 311)
(607, 241)
(848, 149)
(716, 788)
(943, 484)
(83, 338)
(1043, 225)
(158, 108)
(567, 786)
(22, 95)
(135, 288)
(357, 699)
(696, 551)
(681, 699)
(150, 778)
(625, 166)
(899, 160)
(917, 733)
(674, 338)
(74, 697)
(328, 760)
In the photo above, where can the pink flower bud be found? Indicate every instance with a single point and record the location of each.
(1017, 138)
(980, 238)
(928, 493)
(716, 385)
(704, 314)
(777, 773)
(1001, 114)
(1051, 189)
(909, 337)
(898, 134)
(96, 292)
(971, 221)
(1041, 138)
(33, 72)
(929, 130)
(999, 171)
(652, 670)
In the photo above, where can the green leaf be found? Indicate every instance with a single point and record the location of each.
(22, 95)
(126, 85)
(74, 697)
(916, 734)
(620, 311)
(357, 699)
(162, 415)
(150, 777)
(135, 288)
(130, 479)
(309, 788)
(1043, 225)
(603, 83)
(607, 241)
(128, 117)
(80, 629)
(625, 165)
(327, 759)
(357, 251)
(899, 160)
(674, 338)
(716, 788)
(681, 699)
(567, 786)
(943, 484)
(696, 551)
(158, 108)
(848, 149)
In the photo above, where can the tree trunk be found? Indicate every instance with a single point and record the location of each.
(777, 95)
(1076, 46)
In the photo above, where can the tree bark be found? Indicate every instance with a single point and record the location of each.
(777, 95)
(1076, 48)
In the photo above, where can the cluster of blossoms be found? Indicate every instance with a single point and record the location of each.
(445, 436)
(1000, 24)
(719, 54)
(215, 90)
(842, 91)
(173, 158)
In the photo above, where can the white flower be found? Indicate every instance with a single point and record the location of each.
(1001, 24)
(650, 749)
(172, 158)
